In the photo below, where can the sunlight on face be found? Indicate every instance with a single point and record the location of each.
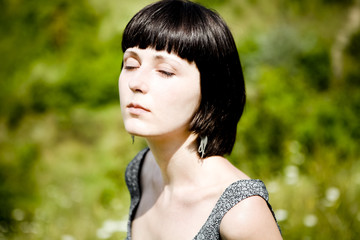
(159, 92)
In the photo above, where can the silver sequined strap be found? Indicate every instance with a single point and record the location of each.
(234, 194)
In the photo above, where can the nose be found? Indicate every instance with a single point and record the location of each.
(138, 82)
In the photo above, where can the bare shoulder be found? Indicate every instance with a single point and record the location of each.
(249, 219)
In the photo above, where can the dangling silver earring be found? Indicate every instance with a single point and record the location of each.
(202, 146)
(132, 139)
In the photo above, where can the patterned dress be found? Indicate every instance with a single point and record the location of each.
(232, 195)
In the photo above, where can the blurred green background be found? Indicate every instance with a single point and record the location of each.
(63, 149)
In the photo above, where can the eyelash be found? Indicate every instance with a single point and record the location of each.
(166, 74)
(129, 67)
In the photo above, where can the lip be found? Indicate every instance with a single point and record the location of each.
(136, 109)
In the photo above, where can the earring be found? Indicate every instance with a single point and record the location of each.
(132, 139)
(202, 146)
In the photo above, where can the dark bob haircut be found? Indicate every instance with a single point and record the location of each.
(198, 35)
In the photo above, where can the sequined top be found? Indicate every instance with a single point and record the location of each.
(232, 195)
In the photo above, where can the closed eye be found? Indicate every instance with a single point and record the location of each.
(166, 73)
(130, 67)
(131, 63)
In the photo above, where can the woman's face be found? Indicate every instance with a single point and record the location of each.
(159, 92)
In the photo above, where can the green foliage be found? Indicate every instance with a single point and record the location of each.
(63, 149)
(18, 189)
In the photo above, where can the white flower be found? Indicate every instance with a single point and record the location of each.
(67, 237)
(109, 227)
(281, 214)
(310, 220)
(332, 194)
(291, 174)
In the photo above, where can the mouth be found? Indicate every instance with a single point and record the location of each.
(136, 109)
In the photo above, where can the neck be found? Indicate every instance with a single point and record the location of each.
(176, 157)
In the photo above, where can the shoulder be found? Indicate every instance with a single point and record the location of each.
(249, 219)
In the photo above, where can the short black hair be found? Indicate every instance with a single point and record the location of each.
(199, 35)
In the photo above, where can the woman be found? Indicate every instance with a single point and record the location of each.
(182, 89)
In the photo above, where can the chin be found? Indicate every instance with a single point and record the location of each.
(133, 131)
(136, 130)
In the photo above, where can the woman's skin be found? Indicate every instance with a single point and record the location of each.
(159, 93)
(163, 84)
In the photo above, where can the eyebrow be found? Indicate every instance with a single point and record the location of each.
(132, 53)
(156, 57)
(167, 58)
(160, 57)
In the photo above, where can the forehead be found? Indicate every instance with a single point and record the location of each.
(156, 55)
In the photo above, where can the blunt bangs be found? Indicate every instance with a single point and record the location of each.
(173, 26)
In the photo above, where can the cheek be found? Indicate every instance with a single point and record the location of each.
(123, 92)
(181, 104)
(122, 85)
